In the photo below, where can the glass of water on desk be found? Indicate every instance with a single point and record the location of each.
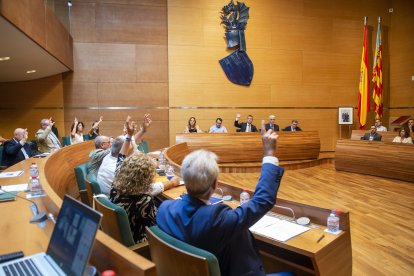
(169, 172)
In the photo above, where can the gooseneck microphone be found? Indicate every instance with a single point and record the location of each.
(38, 216)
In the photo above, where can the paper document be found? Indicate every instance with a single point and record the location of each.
(14, 188)
(277, 229)
(11, 174)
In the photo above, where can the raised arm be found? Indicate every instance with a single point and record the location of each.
(146, 123)
(75, 128)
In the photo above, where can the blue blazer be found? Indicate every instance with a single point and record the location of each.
(275, 127)
(222, 230)
(12, 152)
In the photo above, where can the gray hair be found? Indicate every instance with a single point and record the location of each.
(117, 145)
(98, 141)
(199, 171)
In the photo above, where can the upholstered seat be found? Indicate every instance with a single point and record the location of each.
(81, 172)
(175, 257)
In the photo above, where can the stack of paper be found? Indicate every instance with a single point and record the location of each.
(11, 174)
(277, 229)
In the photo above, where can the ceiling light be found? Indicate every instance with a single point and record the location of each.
(30, 71)
(4, 58)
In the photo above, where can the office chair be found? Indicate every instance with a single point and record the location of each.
(92, 188)
(66, 141)
(175, 257)
(81, 172)
(115, 223)
(143, 146)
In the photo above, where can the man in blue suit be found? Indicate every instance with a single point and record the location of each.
(17, 149)
(218, 228)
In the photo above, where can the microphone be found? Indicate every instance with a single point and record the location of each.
(38, 217)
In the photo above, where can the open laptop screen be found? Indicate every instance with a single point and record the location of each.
(73, 236)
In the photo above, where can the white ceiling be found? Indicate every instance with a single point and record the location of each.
(24, 55)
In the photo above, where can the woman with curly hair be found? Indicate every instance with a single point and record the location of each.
(133, 192)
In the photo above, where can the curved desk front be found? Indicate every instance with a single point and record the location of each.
(384, 159)
(57, 178)
(331, 256)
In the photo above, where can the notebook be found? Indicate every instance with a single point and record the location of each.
(69, 247)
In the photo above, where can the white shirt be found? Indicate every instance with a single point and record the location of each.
(381, 128)
(106, 173)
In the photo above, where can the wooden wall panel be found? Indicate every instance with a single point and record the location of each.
(306, 57)
(24, 104)
(402, 56)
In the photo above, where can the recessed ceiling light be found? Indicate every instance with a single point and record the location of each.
(31, 71)
(4, 58)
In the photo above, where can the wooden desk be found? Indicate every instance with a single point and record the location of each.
(55, 170)
(387, 136)
(331, 256)
(241, 147)
(385, 159)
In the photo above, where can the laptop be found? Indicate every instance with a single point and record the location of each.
(69, 247)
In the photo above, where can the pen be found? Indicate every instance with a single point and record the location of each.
(320, 238)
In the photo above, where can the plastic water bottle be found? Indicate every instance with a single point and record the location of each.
(244, 197)
(35, 188)
(333, 222)
(34, 170)
(169, 172)
(161, 161)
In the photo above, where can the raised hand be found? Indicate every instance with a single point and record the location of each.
(238, 115)
(147, 122)
(51, 122)
(129, 126)
(269, 142)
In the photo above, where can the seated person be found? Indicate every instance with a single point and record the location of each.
(95, 129)
(45, 138)
(76, 132)
(403, 137)
(218, 127)
(379, 126)
(293, 126)
(372, 135)
(245, 127)
(410, 125)
(192, 126)
(132, 192)
(218, 228)
(17, 149)
(102, 149)
(132, 188)
(272, 125)
(2, 140)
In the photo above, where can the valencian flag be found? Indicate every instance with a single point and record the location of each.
(377, 75)
(363, 99)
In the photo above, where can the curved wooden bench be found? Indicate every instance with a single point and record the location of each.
(57, 178)
(387, 136)
(390, 160)
(247, 147)
(59, 167)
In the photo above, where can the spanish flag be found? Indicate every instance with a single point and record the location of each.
(363, 99)
(377, 75)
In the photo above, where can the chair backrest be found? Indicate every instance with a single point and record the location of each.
(92, 188)
(66, 140)
(143, 146)
(81, 172)
(175, 257)
(114, 220)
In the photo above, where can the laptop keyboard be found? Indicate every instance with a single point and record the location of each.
(24, 267)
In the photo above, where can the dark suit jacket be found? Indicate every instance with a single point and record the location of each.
(275, 127)
(377, 137)
(243, 126)
(289, 128)
(220, 229)
(13, 154)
